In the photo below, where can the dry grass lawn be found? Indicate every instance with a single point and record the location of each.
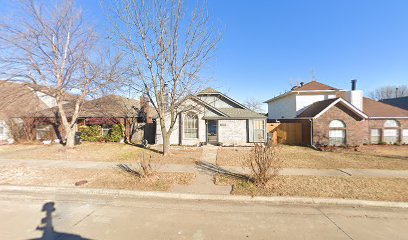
(381, 189)
(110, 152)
(106, 178)
(369, 157)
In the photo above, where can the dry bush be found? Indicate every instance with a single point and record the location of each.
(264, 162)
(144, 169)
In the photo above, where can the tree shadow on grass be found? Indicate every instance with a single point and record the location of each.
(47, 227)
(212, 169)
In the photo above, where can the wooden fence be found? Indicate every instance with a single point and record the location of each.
(289, 133)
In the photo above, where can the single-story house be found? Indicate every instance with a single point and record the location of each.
(401, 102)
(105, 112)
(17, 101)
(331, 116)
(215, 118)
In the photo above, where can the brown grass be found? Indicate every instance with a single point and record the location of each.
(110, 152)
(382, 189)
(369, 157)
(107, 178)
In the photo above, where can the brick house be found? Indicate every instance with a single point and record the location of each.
(330, 116)
(105, 112)
(214, 118)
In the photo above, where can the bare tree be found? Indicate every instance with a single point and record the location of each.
(56, 53)
(253, 104)
(167, 49)
(389, 92)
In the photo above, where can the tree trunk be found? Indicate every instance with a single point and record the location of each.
(70, 142)
(166, 144)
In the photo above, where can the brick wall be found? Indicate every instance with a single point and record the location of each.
(357, 131)
(379, 124)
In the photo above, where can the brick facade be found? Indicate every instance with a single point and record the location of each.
(357, 129)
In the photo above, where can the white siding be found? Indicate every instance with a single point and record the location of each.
(232, 132)
(303, 101)
(217, 102)
(284, 107)
(48, 100)
(5, 134)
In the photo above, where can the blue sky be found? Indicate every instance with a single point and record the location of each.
(269, 44)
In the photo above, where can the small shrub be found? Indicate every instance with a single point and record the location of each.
(264, 163)
(116, 134)
(91, 133)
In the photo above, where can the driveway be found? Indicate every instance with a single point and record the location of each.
(75, 216)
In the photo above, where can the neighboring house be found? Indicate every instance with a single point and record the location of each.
(401, 102)
(105, 111)
(19, 100)
(214, 118)
(330, 116)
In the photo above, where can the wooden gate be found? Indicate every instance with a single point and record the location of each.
(287, 133)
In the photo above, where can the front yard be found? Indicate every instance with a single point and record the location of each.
(95, 178)
(367, 188)
(367, 157)
(109, 152)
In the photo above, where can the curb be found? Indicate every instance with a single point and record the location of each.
(208, 197)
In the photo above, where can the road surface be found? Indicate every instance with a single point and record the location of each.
(68, 216)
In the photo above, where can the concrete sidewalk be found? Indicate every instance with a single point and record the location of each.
(193, 168)
(65, 215)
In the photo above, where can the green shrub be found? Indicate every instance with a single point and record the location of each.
(91, 133)
(116, 134)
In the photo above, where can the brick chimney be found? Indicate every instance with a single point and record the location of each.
(145, 108)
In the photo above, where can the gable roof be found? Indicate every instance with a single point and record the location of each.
(18, 100)
(314, 86)
(316, 109)
(238, 113)
(107, 106)
(211, 91)
(376, 109)
(401, 102)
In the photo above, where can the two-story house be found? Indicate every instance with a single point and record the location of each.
(331, 116)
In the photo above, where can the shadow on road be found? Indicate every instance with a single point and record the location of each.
(47, 227)
(211, 168)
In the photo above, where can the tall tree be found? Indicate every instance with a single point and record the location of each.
(389, 92)
(167, 48)
(50, 47)
(253, 104)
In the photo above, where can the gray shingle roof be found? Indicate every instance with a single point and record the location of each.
(401, 102)
(240, 113)
(208, 91)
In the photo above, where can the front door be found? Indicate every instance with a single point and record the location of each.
(212, 131)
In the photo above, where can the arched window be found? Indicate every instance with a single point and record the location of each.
(337, 133)
(190, 125)
(391, 124)
(391, 131)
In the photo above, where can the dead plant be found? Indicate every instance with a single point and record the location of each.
(264, 162)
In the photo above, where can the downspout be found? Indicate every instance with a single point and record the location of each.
(311, 134)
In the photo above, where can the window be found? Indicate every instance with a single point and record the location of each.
(390, 136)
(43, 132)
(405, 136)
(190, 126)
(337, 133)
(259, 130)
(375, 136)
(105, 130)
(391, 124)
(391, 131)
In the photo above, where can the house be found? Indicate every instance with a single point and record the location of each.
(331, 116)
(401, 102)
(214, 118)
(18, 100)
(105, 112)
